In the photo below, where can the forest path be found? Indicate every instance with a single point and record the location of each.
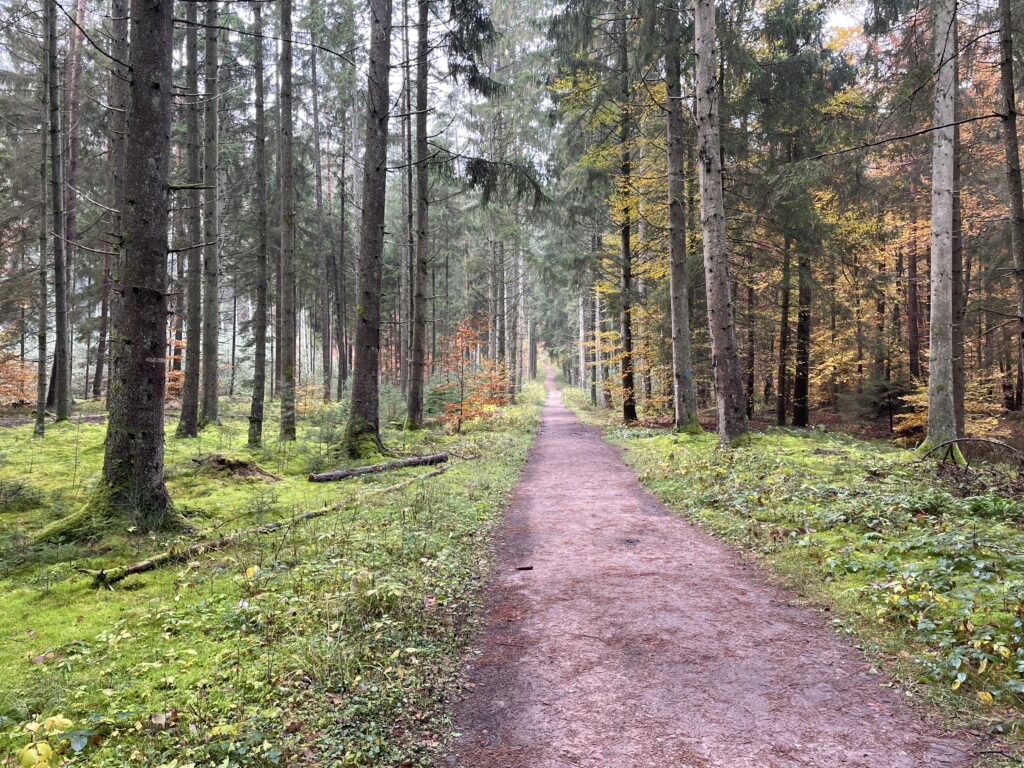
(637, 640)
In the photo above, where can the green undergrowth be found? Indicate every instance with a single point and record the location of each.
(926, 572)
(329, 643)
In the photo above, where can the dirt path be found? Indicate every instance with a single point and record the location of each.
(636, 640)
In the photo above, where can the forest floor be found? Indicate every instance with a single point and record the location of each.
(618, 634)
(332, 642)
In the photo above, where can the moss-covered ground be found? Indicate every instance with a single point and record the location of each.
(329, 643)
(923, 571)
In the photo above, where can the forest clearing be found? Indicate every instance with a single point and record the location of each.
(511, 383)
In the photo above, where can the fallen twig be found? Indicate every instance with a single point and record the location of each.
(107, 577)
(1006, 446)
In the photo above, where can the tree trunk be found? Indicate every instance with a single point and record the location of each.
(781, 404)
(324, 286)
(259, 320)
(683, 397)
(1011, 150)
(211, 225)
(286, 300)
(625, 228)
(581, 343)
(728, 383)
(362, 434)
(73, 91)
(340, 283)
(941, 408)
(417, 363)
(133, 462)
(802, 370)
(913, 303)
(41, 311)
(959, 284)
(61, 377)
(188, 424)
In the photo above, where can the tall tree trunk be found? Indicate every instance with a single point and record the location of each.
(324, 286)
(958, 273)
(728, 383)
(581, 342)
(1011, 151)
(287, 298)
(362, 434)
(133, 462)
(340, 282)
(405, 300)
(913, 302)
(259, 320)
(73, 91)
(417, 367)
(625, 226)
(683, 397)
(61, 377)
(802, 369)
(211, 225)
(781, 395)
(42, 315)
(188, 423)
(941, 408)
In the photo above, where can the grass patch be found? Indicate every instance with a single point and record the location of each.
(926, 575)
(330, 643)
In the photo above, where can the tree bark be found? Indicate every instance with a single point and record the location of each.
(74, 109)
(941, 409)
(625, 227)
(208, 411)
(1011, 150)
(802, 369)
(340, 283)
(362, 434)
(188, 423)
(412, 461)
(683, 397)
(418, 352)
(42, 314)
(324, 285)
(259, 320)
(959, 285)
(61, 377)
(287, 298)
(781, 395)
(133, 462)
(913, 302)
(728, 382)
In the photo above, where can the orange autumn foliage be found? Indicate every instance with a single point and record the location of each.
(477, 388)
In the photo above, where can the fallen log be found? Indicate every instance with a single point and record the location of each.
(107, 577)
(412, 461)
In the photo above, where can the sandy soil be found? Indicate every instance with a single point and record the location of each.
(619, 635)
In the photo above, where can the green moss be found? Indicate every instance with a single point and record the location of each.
(297, 627)
(950, 452)
(691, 427)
